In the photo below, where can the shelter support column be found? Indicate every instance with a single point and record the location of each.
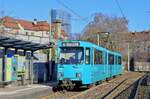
(31, 68)
(4, 65)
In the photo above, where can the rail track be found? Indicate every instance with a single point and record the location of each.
(138, 90)
(135, 91)
(108, 89)
(141, 89)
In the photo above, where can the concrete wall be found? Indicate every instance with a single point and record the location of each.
(22, 37)
(28, 35)
(142, 66)
(45, 34)
(35, 39)
(44, 40)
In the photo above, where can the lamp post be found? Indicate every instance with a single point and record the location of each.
(100, 36)
(50, 49)
(98, 39)
(128, 56)
(50, 34)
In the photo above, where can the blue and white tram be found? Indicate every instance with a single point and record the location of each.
(84, 63)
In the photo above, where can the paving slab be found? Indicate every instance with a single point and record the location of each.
(26, 92)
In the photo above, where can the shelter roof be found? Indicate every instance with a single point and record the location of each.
(20, 44)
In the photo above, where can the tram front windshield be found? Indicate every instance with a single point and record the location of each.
(71, 55)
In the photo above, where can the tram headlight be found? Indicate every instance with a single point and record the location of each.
(60, 74)
(78, 75)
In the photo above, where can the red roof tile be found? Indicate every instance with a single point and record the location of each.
(29, 25)
(9, 22)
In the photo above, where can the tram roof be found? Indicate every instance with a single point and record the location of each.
(7, 42)
(90, 44)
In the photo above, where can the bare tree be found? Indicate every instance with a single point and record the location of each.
(104, 23)
(101, 23)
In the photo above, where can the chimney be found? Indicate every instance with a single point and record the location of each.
(58, 27)
(35, 22)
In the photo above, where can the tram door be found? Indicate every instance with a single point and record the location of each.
(88, 58)
(110, 62)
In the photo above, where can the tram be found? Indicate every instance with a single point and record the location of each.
(84, 63)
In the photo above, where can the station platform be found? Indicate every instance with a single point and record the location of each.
(27, 92)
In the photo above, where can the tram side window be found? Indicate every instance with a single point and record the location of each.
(119, 60)
(98, 57)
(87, 56)
(116, 60)
(111, 59)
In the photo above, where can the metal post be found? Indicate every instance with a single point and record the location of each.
(4, 65)
(31, 68)
(108, 41)
(50, 50)
(50, 64)
(50, 35)
(98, 38)
(128, 56)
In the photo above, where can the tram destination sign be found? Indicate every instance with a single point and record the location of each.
(70, 44)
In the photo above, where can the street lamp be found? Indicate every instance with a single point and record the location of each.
(100, 36)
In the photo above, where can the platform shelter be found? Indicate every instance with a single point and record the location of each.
(13, 53)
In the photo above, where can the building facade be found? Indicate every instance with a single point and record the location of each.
(34, 31)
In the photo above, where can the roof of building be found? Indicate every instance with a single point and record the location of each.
(10, 22)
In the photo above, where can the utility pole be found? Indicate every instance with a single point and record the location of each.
(128, 56)
(50, 34)
(102, 35)
(50, 49)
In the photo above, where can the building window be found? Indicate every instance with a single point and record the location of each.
(27, 33)
(98, 57)
(32, 34)
(47, 33)
(87, 56)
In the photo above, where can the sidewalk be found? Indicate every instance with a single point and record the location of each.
(26, 92)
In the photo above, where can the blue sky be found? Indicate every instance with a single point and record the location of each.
(136, 11)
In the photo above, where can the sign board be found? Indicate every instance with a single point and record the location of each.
(70, 44)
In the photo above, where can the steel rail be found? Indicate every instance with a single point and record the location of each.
(113, 89)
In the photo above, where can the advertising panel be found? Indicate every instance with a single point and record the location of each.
(8, 67)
